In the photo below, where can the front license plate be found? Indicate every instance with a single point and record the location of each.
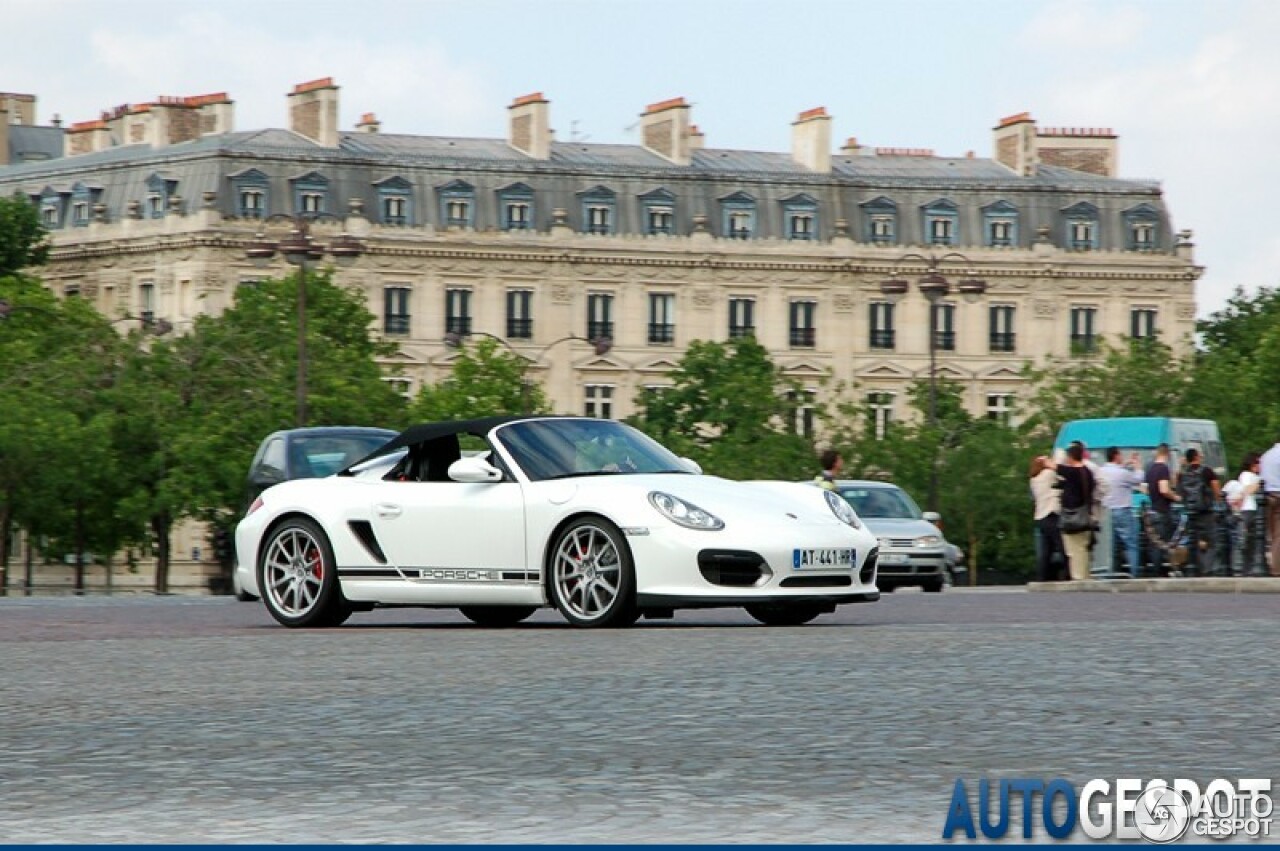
(824, 558)
(894, 559)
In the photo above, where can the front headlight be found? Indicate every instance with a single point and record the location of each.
(841, 509)
(683, 513)
(928, 541)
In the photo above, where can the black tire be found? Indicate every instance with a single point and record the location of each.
(298, 576)
(496, 616)
(933, 586)
(886, 587)
(591, 578)
(784, 614)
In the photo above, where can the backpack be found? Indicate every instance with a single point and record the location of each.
(1192, 489)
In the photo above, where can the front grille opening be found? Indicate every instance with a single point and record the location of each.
(867, 575)
(816, 582)
(732, 568)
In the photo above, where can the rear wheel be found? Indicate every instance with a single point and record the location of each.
(592, 578)
(496, 615)
(783, 614)
(298, 577)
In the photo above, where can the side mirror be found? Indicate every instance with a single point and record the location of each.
(692, 466)
(933, 517)
(264, 476)
(474, 469)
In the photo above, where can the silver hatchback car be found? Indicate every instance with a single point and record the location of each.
(913, 550)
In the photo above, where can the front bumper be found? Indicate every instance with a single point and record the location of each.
(677, 568)
(905, 565)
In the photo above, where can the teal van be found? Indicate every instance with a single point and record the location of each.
(1143, 435)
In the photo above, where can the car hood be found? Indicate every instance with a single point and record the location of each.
(896, 527)
(731, 501)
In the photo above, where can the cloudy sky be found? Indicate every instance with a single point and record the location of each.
(1192, 88)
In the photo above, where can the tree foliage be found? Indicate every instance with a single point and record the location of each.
(22, 236)
(487, 380)
(731, 410)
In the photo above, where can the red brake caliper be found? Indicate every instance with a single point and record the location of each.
(317, 564)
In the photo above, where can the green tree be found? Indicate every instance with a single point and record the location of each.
(22, 236)
(1237, 370)
(487, 380)
(980, 473)
(233, 380)
(1142, 378)
(731, 410)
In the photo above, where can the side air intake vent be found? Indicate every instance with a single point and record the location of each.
(364, 532)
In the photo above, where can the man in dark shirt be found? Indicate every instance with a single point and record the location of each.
(1160, 490)
(1199, 490)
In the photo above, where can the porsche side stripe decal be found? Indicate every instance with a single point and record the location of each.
(439, 574)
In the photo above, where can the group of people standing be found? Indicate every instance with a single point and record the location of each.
(1072, 495)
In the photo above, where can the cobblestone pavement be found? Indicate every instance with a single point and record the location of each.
(200, 720)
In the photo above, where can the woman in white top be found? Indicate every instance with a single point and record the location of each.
(1047, 492)
(1244, 507)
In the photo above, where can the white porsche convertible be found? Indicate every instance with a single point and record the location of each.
(589, 516)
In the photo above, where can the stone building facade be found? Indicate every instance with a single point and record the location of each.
(651, 245)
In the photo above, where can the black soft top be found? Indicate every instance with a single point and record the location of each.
(426, 432)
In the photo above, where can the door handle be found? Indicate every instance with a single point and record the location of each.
(386, 509)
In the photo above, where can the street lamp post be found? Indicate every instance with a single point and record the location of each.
(934, 286)
(298, 248)
(601, 345)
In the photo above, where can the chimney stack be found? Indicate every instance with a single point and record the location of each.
(811, 140)
(529, 126)
(313, 111)
(85, 137)
(1015, 143)
(368, 123)
(664, 130)
(21, 109)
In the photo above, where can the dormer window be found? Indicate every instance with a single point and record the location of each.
(515, 203)
(800, 217)
(80, 213)
(1000, 221)
(395, 201)
(49, 215)
(249, 188)
(160, 188)
(658, 209)
(83, 197)
(942, 223)
(598, 211)
(738, 216)
(1142, 222)
(881, 217)
(52, 203)
(1082, 227)
(311, 194)
(457, 204)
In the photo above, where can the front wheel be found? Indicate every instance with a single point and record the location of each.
(934, 586)
(496, 616)
(592, 578)
(298, 577)
(782, 614)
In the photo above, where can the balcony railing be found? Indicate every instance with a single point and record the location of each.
(457, 325)
(520, 329)
(599, 230)
(944, 341)
(737, 332)
(396, 323)
(1003, 341)
(803, 338)
(739, 233)
(661, 332)
(599, 330)
(882, 338)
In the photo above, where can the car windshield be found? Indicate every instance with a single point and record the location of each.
(889, 503)
(561, 448)
(323, 455)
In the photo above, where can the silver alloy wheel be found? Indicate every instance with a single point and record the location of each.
(293, 571)
(587, 571)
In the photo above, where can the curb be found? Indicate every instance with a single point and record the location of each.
(1196, 585)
